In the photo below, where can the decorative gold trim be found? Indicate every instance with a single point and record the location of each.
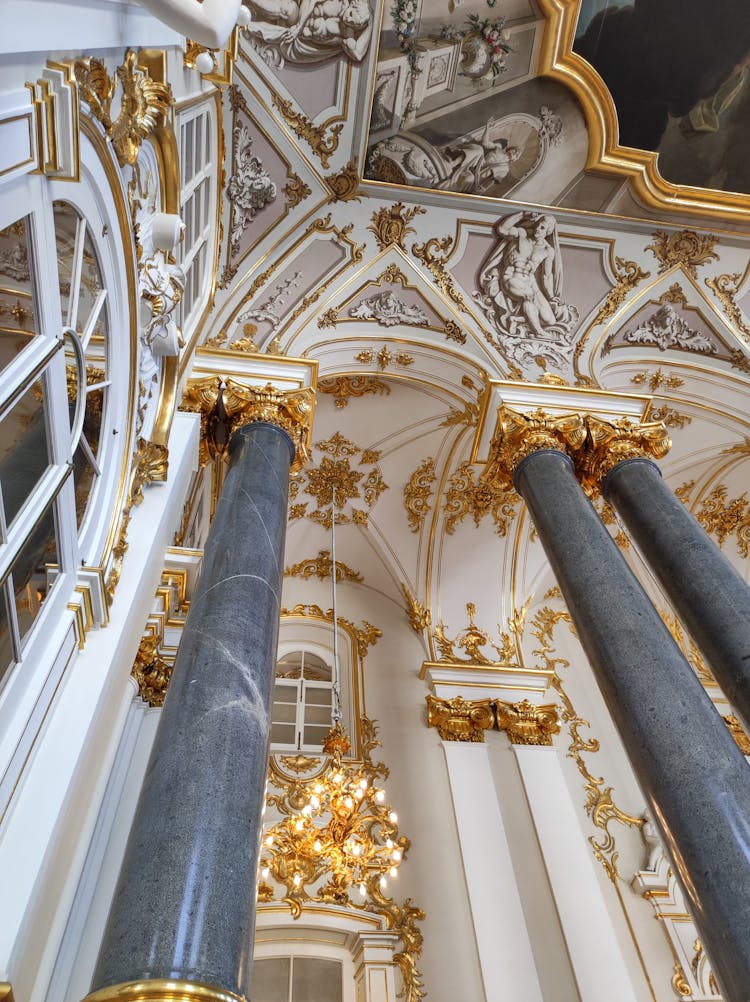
(223, 59)
(322, 145)
(322, 567)
(418, 492)
(6, 991)
(163, 990)
(680, 984)
(628, 275)
(737, 731)
(725, 288)
(558, 61)
(390, 225)
(471, 640)
(436, 266)
(527, 723)
(686, 248)
(479, 498)
(343, 388)
(152, 672)
(459, 719)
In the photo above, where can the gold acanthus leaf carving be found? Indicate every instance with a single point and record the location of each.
(472, 639)
(669, 417)
(465, 496)
(469, 416)
(674, 294)
(324, 146)
(365, 636)
(518, 435)
(329, 318)
(723, 518)
(426, 253)
(657, 379)
(143, 102)
(420, 618)
(224, 408)
(344, 185)
(738, 732)
(627, 274)
(610, 442)
(527, 723)
(460, 719)
(151, 462)
(453, 332)
(384, 357)
(418, 492)
(322, 567)
(343, 388)
(680, 983)
(686, 248)
(152, 672)
(390, 225)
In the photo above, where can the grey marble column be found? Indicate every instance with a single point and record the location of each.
(184, 906)
(706, 591)
(692, 773)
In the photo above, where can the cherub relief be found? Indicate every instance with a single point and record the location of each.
(313, 30)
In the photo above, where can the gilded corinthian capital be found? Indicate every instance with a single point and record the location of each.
(225, 405)
(526, 723)
(517, 435)
(460, 719)
(610, 442)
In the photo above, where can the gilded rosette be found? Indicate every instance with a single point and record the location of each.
(612, 442)
(519, 435)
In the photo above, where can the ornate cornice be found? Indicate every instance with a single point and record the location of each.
(611, 442)
(518, 435)
(526, 723)
(226, 405)
(459, 719)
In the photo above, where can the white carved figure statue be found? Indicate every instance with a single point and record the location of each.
(161, 285)
(313, 30)
(389, 310)
(521, 289)
(209, 22)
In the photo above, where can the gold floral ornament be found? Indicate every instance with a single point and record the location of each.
(722, 517)
(224, 407)
(460, 719)
(526, 723)
(390, 225)
(143, 102)
(322, 567)
(338, 842)
(519, 435)
(467, 496)
(612, 442)
(686, 248)
(151, 672)
(471, 640)
(418, 494)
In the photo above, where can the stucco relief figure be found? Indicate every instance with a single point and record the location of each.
(250, 187)
(161, 285)
(521, 291)
(667, 329)
(389, 310)
(209, 22)
(312, 30)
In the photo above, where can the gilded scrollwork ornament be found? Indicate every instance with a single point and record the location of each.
(685, 247)
(344, 388)
(418, 493)
(321, 567)
(466, 647)
(627, 276)
(390, 225)
(323, 139)
(459, 719)
(420, 617)
(152, 672)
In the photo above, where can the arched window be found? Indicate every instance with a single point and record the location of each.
(302, 696)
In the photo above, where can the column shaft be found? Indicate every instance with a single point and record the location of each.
(184, 906)
(706, 591)
(694, 777)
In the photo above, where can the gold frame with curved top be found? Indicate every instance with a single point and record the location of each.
(558, 61)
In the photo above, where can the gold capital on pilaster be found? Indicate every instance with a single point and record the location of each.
(518, 435)
(460, 719)
(226, 404)
(526, 723)
(610, 442)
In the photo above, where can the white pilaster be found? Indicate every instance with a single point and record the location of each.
(374, 970)
(503, 944)
(594, 951)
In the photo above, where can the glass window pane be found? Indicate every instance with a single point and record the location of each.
(283, 734)
(34, 571)
(6, 643)
(313, 736)
(290, 666)
(91, 283)
(24, 449)
(318, 715)
(315, 980)
(17, 317)
(284, 713)
(66, 227)
(270, 980)
(317, 696)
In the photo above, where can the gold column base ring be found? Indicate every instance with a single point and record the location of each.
(163, 990)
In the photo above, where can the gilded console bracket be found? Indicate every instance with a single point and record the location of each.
(163, 990)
